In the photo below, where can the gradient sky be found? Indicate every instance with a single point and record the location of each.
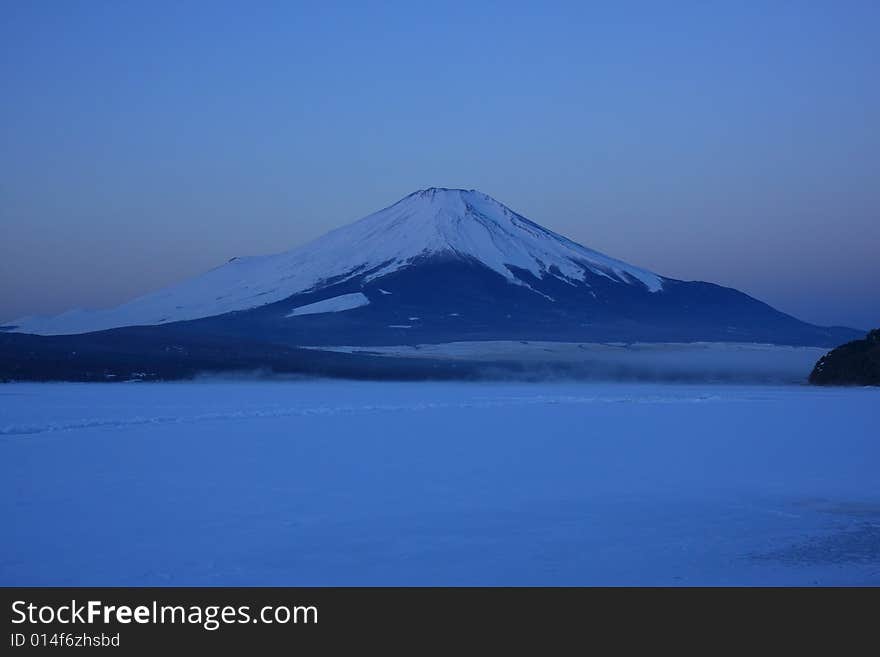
(734, 142)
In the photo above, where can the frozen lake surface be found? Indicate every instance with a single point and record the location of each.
(342, 483)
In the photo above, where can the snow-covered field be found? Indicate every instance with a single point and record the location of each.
(335, 483)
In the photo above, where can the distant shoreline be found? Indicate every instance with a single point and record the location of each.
(143, 357)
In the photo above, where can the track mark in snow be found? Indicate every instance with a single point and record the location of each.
(347, 409)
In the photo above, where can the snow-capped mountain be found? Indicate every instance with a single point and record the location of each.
(443, 265)
(431, 222)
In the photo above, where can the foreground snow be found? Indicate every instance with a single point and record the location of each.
(320, 483)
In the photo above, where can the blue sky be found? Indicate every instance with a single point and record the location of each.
(735, 142)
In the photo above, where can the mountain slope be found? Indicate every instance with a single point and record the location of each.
(445, 265)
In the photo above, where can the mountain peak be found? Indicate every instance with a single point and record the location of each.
(434, 191)
(444, 196)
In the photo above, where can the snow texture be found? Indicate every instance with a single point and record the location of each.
(431, 222)
(332, 305)
(331, 483)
